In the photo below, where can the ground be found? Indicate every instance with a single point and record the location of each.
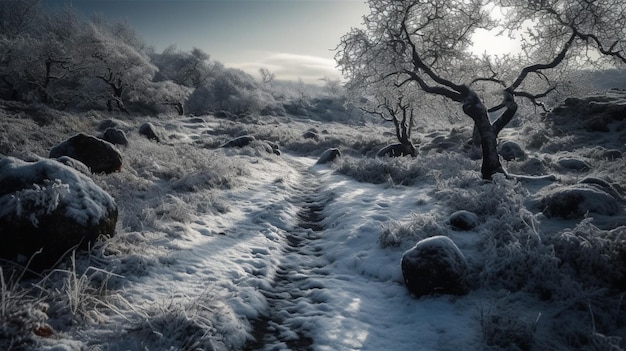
(244, 249)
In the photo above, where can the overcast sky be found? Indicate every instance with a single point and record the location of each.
(292, 38)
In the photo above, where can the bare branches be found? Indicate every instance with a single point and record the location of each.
(610, 51)
(542, 66)
(420, 66)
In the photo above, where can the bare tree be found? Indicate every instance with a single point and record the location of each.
(267, 77)
(400, 111)
(115, 56)
(17, 17)
(426, 44)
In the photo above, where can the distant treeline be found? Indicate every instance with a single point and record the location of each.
(67, 62)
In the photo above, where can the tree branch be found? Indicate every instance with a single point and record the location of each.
(541, 66)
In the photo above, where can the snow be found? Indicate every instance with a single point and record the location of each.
(201, 254)
(83, 201)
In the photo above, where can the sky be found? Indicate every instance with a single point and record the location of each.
(294, 39)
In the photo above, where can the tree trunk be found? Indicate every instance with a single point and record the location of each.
(474, 108)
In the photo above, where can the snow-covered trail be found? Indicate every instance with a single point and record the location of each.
(294, 264)
(294, 282)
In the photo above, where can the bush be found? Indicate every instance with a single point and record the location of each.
(394, 171)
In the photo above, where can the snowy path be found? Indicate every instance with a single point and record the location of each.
(294, 264)
(294, 282)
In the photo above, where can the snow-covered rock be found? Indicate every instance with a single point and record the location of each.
(310, 135)
(574, 164)
(533, 166)
(510, 150)
(328, 156)
(99, 155)
(72, 163)
(463, 220)
(575, 201)
(600, 153)
(115, 136)
(49, 206)
(240, 141)
(149, 131)
(435, 266)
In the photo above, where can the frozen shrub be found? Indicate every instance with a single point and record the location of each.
(420, 226)
(505, 328)
(466, 191)
(514, 257)
(21, 315)
(403, 171)
(586, 250)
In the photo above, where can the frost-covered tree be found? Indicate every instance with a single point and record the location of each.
(396, 106)
(426, 43)
(189, 68)
(117, 63)
(18, 31)
(267, 77)
(18, 17)
(56, 68)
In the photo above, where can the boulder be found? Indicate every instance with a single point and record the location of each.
(533, 166)
(463, 220)
(328, 156)
(241, 141)
(610, 188)
(510, 150)
(397, 150)
(435, 266)
(576, 200)
(72, 163)
(149, 131)
(573, 164)
(99, 155)
(49, 207)
(275, 148)
(310, 135)
(112, 123)
(600, 153)
(115, 136)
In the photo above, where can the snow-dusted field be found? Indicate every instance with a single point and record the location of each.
(218, 247)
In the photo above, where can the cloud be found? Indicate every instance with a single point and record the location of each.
(292, 67)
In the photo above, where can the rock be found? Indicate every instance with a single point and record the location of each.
(310, 135)
(196, 120)
(435, 266)
(223, 114)
(600, 153)
(328, 156)
(115, 136)
(576, 200)
(241, 141)
(99, 155)
(604, 186)
(510, 150)
(533, 166)
(49, 206)
(397, 150)
(463, 220)
(573, 164)
(112, 123)
(75, 164)
(275, 148)
(149, 131)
